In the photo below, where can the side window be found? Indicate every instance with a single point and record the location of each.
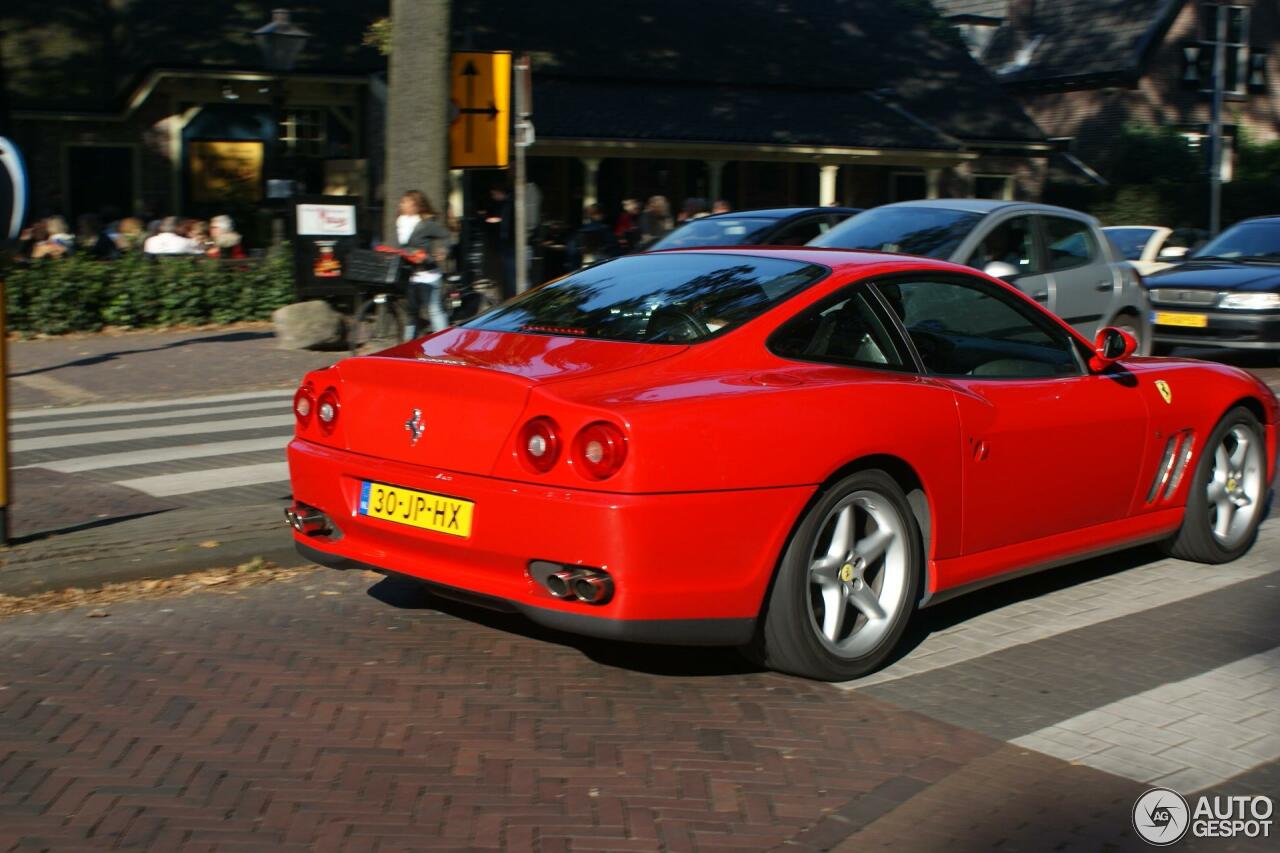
(1070, 243)
(1011, 242)
(799, 233)
(971, 328)
(844, 331)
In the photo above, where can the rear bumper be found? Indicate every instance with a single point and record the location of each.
(688, 568)
(1232, 329)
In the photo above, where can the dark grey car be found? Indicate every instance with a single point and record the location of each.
(1056, 256)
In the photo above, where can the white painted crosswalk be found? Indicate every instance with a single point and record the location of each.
(164, 448)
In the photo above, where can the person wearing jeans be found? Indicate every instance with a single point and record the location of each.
(426, 240)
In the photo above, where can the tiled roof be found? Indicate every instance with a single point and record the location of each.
(610, 109)
(899, 48)
(1079, 38)
(981, 8)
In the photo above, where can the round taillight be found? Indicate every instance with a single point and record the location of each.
(599, 450)
(539, 444)
(327, 409)
(303, 403)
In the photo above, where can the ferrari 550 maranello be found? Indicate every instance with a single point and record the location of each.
(788, 450)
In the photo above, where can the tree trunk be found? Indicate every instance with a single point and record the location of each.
(417, 105)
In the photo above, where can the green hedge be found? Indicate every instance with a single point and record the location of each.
(77, 294)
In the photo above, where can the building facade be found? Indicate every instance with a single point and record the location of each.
(139, 107)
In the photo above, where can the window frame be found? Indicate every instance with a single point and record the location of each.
(1016, 301)
(911, 364)
(1039, 249)
(1099, 253)
(1237, 52)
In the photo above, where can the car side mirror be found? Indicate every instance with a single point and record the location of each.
(1172, 253)
(999, 269)
(1111, 345)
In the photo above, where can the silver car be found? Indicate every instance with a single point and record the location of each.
(1056, 256)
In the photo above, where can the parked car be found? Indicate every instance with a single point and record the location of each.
(735, 447)
(1056, 256)
(1151, 248)
(1227, 294)
(778, 226)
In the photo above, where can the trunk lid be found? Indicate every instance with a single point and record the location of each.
(470, 389)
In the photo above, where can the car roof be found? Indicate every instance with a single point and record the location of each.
(986, 205)
(1144, 227)
(781, 212)
(837, 260)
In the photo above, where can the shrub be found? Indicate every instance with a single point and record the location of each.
(78, 294)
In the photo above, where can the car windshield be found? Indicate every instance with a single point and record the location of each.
(1258, 239)
(715, 231)
(1129, 242)
(669, 299)
(933, 232)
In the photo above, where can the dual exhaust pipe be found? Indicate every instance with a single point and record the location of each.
(590, 586)
(306, 520)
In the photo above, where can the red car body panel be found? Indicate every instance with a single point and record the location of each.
(727, 444)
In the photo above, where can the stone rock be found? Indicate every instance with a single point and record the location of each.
(309, 325)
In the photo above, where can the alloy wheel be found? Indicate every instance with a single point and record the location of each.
(858, 573)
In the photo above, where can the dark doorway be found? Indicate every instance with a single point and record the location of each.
(100, 179)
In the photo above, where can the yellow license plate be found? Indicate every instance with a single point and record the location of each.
(1171, 318)
(440, 513)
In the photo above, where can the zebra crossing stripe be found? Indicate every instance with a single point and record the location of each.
(163, 454)
(274, 394)
(109, 420)
(80, 439)
(1076, 606)
(1187, 735)
(187, 482)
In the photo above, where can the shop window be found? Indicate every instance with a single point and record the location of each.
(993, 186)
(906, 186)
(303, 132)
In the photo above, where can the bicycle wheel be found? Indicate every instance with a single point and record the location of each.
(379, 323)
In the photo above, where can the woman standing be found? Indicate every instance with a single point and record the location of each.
(426, 240)
(655, 221)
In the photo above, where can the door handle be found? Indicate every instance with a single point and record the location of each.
(1104, 286)
(1040, 296)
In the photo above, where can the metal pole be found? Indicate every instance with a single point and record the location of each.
(521, 69)
(1215, 122)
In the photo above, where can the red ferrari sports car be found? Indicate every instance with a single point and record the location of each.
(790, 450)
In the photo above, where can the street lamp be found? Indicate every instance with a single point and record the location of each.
(281, 41)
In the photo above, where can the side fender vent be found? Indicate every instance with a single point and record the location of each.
(1172, 467)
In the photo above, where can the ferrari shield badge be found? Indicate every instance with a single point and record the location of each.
(413, 426)
(1165, 391)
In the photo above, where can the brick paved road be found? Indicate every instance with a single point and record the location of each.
(345, 711)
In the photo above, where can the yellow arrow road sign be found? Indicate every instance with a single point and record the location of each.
(480, 127)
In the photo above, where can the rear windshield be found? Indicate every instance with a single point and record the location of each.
(1129, 242)
(933, 232)
(720, 231)
(662, 299)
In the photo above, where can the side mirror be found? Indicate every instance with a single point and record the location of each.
(999, 269)
(1172, 253)
(1111, 345)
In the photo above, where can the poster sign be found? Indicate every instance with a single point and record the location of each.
(323, 230)
(326, 220)
(225, 170)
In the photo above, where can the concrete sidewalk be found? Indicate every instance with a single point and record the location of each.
(144, 365)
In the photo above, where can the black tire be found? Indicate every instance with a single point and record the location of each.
(1195, 540)
(789, 638)
(377, 324)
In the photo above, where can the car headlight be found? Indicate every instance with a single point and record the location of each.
(1251, 301)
